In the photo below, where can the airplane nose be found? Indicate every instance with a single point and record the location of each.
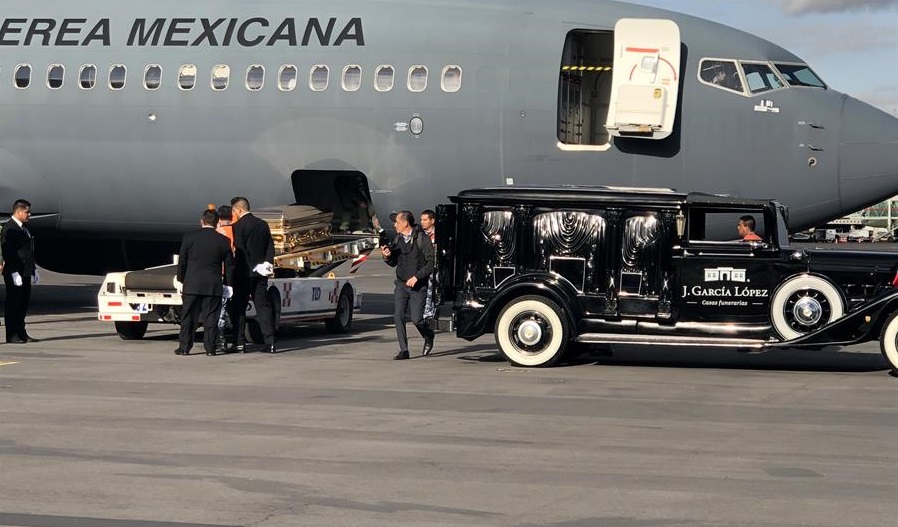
(868, 155)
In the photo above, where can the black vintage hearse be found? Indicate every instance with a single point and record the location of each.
(544, 267)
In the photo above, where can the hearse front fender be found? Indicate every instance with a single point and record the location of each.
(860, 325)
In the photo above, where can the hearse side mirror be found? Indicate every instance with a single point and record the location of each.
(681, 225)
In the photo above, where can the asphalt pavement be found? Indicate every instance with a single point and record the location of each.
(100, 432)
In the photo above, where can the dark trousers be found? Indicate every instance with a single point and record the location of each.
(257, 287)
(17, 300)
(193, 309)
(412, 300)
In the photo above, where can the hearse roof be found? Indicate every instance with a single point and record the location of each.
(578, 194)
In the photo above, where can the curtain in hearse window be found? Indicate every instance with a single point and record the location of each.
(569, 243)
(499, 247)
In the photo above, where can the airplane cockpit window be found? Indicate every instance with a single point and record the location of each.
(451, 80)
(187, 77)
(23, 76)
(221, 76)
(352, 78)
(800, 75)
(319, 77)
(722, 74)
(287, 78)
(117, 76)
(383, 78)
(55, 76)
(760, 77)
(255, 77)
(152, 77)
(87, 77)
(417, 79)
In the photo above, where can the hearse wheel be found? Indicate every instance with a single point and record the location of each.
(131, 330)
(532, 331)
(804, 304)
(254, 329)
(888, 341)
(342, 320)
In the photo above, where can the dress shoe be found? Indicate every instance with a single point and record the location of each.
(240, 348)
(179, 351)
(29, 338)
(402, 355)
(272, 349)
(428, 346)
(210, 353)
(15, 340)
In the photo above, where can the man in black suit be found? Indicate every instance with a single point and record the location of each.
(254, 257)
(200, 261)
(19, 271)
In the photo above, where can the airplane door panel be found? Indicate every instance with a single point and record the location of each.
(645, 85)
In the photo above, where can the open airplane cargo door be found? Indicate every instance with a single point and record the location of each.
(645, 83)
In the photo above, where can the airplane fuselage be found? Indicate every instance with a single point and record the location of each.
(119, 160)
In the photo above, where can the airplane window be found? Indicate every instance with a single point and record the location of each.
(255, 77)
(221, 75)
(383, 78)
(417, 78)
(760, 77)
(287, 78)
(800, 75)
(87, 77)
(23, 76)
(352, 78)
(187, 77)
(721, 73)
(117, 76)
(152, 77)
(319, 78)
(451, 81)
(55, 76)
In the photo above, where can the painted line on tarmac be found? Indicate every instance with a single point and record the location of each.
(7, 363)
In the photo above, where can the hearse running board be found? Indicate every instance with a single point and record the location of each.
(604, 338)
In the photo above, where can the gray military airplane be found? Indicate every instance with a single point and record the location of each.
(120, 121)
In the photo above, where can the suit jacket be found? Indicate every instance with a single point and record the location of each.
(252, 243)
(18, 250)
(200, 261)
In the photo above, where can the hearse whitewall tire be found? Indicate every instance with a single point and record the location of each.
(888, 341)
(804, 304)
(532, 331)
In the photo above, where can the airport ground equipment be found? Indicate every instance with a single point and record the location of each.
(546, 267)
(313, 280)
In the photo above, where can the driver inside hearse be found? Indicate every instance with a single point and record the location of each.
(746, 228)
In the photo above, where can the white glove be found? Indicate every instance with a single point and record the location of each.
(264, 269)
(17, 279)
(227, 292)
(36, 278)
(178, 285)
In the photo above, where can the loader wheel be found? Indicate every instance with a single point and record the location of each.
(342, 321)
(254, 329)
(131, 330)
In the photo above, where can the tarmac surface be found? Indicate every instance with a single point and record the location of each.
(100, 432)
